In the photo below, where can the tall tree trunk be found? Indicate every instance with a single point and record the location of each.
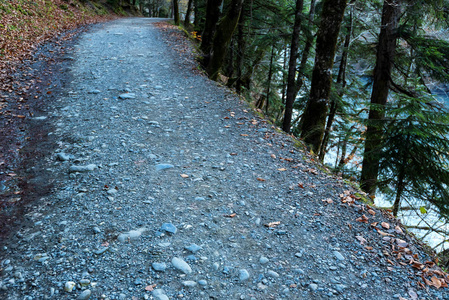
(189, 10)
(386, 49)
(212, 17)
(240, 52)
(222, 38)
(176, 12)
(341, 84)
(291, 88)
(306, 51)
(270, 75)
(314, 118)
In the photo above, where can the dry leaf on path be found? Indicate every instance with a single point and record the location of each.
(282, 169)
(260, 179)
(184, 176)
(385, 225)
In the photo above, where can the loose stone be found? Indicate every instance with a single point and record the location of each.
(263, 260)
(127, 96)
(181, 265)
(193, 248)
(189, 283)
(273, 274)
(131, 235)
(160, 167)
(68, 286)
(82, 169)
(85, 295)
(169, 227)
(243, 275)
(338, 255)
(313, 286)
(159, 267)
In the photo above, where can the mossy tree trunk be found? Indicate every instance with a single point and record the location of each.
(386, 49)
(314, 118)
(222, 38)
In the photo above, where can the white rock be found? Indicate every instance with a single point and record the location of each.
(181, 265)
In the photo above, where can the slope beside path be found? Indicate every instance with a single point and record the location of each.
(165, 186)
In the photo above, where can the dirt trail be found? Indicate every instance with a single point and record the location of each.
(165, 186)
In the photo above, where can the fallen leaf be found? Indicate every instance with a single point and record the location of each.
(184, 176)
(233, 154)
(150, 288)
(368, 248)
(260, 179)
(301, 185)
(243, 134)
(282, 169)
(273, 224)
(273, 156)
(398, 229)
(371, 212)
(362, 219)
(390, 262)
(105, 244)
(385, 225)
(436, 282)
(383, 233)
(328, 200)
(374, 224)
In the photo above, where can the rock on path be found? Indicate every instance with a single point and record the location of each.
(147, 141)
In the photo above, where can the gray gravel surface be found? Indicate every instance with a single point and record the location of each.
(168, 186)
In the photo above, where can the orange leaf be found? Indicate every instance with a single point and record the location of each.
(260, 179)
(368, 248)
(385, 225)
(436, 282)
(273, 156)
(371, 212)
(362, 219)
(231, 215)
(328, 200)
(399, 230)
(244, 134)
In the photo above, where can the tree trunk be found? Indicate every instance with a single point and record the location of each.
(240, 53)
(270, 75)
(176, 12)
(222, 38)
(341, 84)
(386, 49)
(212, 17)
(291, 88)
(306, 51)
(314, 119)
(189, 10)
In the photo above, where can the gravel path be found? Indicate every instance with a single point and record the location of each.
(166, 186)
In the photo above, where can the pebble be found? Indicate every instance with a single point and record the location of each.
(243, 275)
(169, 227)
(194, 248)
(159, 294)
(127, 96)
(181, 265)
(159, 267)
(189, 283)
(160, 167)
(131, 235)
(94, 92)
(101, 251)
(202, 282)
(273, 274)
(85, 295)
(82, 169)
(263, 260)
(313, 286)
(338, 255)
(62, 156)
(68, 286)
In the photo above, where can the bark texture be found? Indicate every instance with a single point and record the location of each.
(314, 118)
(381, 85)
(291, 83)
(212, 17)
(222, 38)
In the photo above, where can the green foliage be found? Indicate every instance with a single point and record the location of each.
(414, 157)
